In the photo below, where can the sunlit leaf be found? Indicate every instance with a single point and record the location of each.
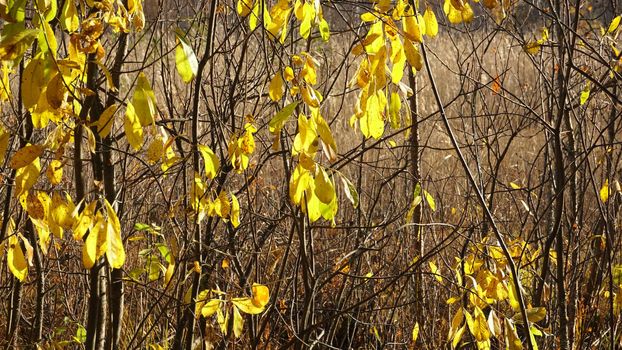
(185, 59)
(132, 127)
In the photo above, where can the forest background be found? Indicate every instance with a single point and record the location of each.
(330, 174)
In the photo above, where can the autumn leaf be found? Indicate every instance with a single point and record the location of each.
(144, 100)
(185, 59)
(604, 191)
(25, 156)
(16, 259)
(276, 87)
(133, 128)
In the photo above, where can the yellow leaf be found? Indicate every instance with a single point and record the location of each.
(155, 151)
(536, 314)
(413, 56)
(431, 25)
(210, 307)
(221, 206)
(415, 333)
(395, 104)
(26, 177)
(25, 156)
(115, 253)
(15, 258)
(261, 295)
(185, 59)
(247, 306)
(34, 207)
(458, 336)
(434, 270)
(133, 129)
(96, 242)
(615, 23)
(61, 211)
(13, 45)
(91, 142)
(54, 172)
(324, 187)
(69, 16)
(83, 221)
(456, 322)
(327, 138)
(513, 297)
(276, 87)
(289, 73)
(457, 15)
(238, 322)
(585, 94)
(144, 101)
(412, 31)
(309, 96)
(279, 119)
(47, 40)
(515, 186)
(372, 123)
(604, 191)
(5, 84)
(33, 81)
(298, 184)
(244, 7)
(479, 326)
(512, 341)
(308, 12)
(235, 210)
(210, 161)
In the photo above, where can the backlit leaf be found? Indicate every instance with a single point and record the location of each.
(431, 25)
(132, 127)
(144, 101)
(25, 156)
(185, 59)
(615, 23)
(210, 161)
(16, 259)
(604, 191)
(115, 253)
(276, 87)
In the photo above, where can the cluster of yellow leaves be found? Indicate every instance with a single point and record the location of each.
(533, 47)
(310, 184)
(487, 280)
(459, 11)
(385, 41)
(241, 147)
(103, 237)
(204, 203)
(51, 216)
(210, 302)
(275, 20)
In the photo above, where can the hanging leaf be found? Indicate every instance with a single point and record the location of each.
(415, 333)
(133, 129)
(144, 100)
(210, 161)
(350, 192)
(276, 87)
(185, 59)
(585, 93)
(276, 123)
(604, 191)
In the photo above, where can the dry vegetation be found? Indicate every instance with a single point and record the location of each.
(365, 280)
